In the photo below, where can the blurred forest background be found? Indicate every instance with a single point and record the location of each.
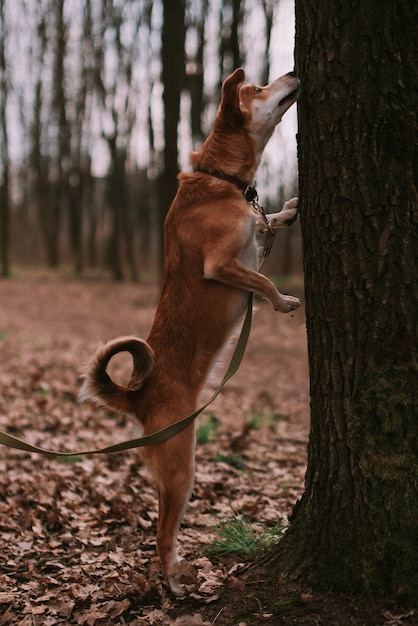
(101, 102)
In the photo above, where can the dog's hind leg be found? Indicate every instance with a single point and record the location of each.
(174, 475)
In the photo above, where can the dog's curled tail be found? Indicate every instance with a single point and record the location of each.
(100, 389)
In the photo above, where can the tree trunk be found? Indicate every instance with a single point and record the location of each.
(60, 162)
(4, 155)
(195, 76)
(268, 7)
(356, 526)
(231, 55)
(173, 76)
(116, 196)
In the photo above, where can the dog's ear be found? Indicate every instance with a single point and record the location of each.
(229, 110)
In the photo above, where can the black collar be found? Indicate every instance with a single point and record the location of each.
(249, 193)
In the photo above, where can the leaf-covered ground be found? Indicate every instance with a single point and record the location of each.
(77, 537)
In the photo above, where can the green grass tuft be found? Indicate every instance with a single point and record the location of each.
(236, 461)
(285, 605)
(266, 419)
(237, 537)
(70, 459)
(206, 432)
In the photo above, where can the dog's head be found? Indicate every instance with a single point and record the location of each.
(245, 120)
(260, 106)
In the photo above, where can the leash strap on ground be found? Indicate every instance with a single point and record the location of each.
(159, 436)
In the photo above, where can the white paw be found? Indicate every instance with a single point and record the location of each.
(291, 204)
(290, 211)
(286, 216)
(176, 588)
(183, 579)
(287, 304)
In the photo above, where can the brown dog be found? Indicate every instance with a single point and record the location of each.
(211, 257)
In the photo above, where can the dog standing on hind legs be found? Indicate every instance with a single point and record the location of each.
(212, 247)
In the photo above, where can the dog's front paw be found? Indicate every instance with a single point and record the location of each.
(291, 208)
(287, 304)
(286, 216)
(291, 204)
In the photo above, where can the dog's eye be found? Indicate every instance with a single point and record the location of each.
(257, 89)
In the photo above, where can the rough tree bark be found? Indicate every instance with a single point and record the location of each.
(356, 526)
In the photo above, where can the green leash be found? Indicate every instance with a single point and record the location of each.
(160, 436)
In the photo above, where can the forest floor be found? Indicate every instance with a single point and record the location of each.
(77, 537)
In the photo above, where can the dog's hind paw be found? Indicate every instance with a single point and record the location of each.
(183, 579)
(176, 588)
